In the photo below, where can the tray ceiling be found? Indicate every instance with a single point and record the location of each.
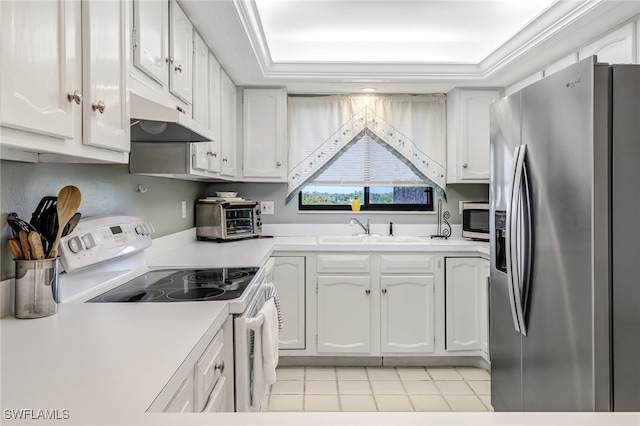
(397, 46)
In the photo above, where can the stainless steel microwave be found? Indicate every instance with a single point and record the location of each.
(220, 220)
(475, 220)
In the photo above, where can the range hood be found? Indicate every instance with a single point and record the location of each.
(153, 121)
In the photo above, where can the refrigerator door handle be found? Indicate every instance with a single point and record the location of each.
(519, 268)
(511, 237)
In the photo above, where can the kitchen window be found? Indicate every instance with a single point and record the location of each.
(411, 198)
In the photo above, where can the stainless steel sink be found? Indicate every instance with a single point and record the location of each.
(370, 239)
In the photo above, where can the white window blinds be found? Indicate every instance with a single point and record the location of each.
(390, 140)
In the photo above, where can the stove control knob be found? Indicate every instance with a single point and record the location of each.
(89, 241)
(258, 212)
(75, 244)
(139, 229)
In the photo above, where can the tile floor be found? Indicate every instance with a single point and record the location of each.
(381, 389)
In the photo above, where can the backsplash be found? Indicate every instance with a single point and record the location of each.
(107, 189)
(288, 213)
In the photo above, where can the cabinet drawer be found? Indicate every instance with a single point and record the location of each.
(343, 263)
(218, 399)
(208, 370)
(182, 401)
(406, 263)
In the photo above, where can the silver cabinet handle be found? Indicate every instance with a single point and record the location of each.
(219, 366)
(178, 68)
(100, 107)
(465, 165)
(212, 154)
(75, 96)
(278, 164)
(224, 159)
(384, 291)
(368, 291)
(169, 59)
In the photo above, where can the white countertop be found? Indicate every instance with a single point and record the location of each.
(106, 363)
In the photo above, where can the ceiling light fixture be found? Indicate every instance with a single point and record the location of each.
(369, 89)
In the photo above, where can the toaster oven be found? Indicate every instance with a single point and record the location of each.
(219, 220)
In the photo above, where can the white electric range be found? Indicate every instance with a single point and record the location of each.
(103, 262)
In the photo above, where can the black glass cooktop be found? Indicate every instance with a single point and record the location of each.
(181, 285)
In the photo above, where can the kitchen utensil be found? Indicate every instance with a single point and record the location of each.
(14, 246)
(48, 225)
(73, 222)
(69, 199)
(227, 194)
(45, 203)
(24, 244)
(35, 242)
(18, 224)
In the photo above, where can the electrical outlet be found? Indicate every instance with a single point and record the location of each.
(184, 209)
(267, 207)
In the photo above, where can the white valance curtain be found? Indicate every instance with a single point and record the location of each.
(322, 128)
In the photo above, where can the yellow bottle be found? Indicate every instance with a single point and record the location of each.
(355, 205)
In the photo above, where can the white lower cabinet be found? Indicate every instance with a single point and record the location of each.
(289, 280)
(344, 314)
(182, 401)
(373, 304)
(466, 303)
(204, 389)
(407, 314)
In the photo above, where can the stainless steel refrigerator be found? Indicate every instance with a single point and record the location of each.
(565, 242)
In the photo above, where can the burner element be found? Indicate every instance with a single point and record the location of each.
(192, 294)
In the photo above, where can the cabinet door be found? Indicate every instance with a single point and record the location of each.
(407, 314)
(344, 314)
(200, 81)
(181, 48)
(466, 303)
(289, 279)
(39, 66)
(473, 159)
(200, 156)
(228, 106)
(617, 47)
(264, 135)
(214, 113)
(105, 75)
(151, 38)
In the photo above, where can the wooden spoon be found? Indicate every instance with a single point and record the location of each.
(69, 199)
(37, 252)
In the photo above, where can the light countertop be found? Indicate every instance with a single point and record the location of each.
(104, 364)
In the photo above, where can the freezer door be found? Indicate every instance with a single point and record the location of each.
(626, 238)
(558, 128)
(505, 341)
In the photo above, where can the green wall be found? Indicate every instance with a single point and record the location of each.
(107, 189)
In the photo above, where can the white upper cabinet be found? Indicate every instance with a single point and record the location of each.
(617, 47)
(264, 135)
(200, 81)
(468, 135)
(181, 54)
(228, 134)
(40, 67)
(214, 113)
(106, 70)
(64, 80)
(151, 38)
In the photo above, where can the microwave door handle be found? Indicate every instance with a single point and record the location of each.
(509, 238)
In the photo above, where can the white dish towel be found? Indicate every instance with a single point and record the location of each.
(265, 352)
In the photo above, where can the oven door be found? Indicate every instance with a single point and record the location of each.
(251, 392)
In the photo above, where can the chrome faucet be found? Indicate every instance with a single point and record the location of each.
(366, 228)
